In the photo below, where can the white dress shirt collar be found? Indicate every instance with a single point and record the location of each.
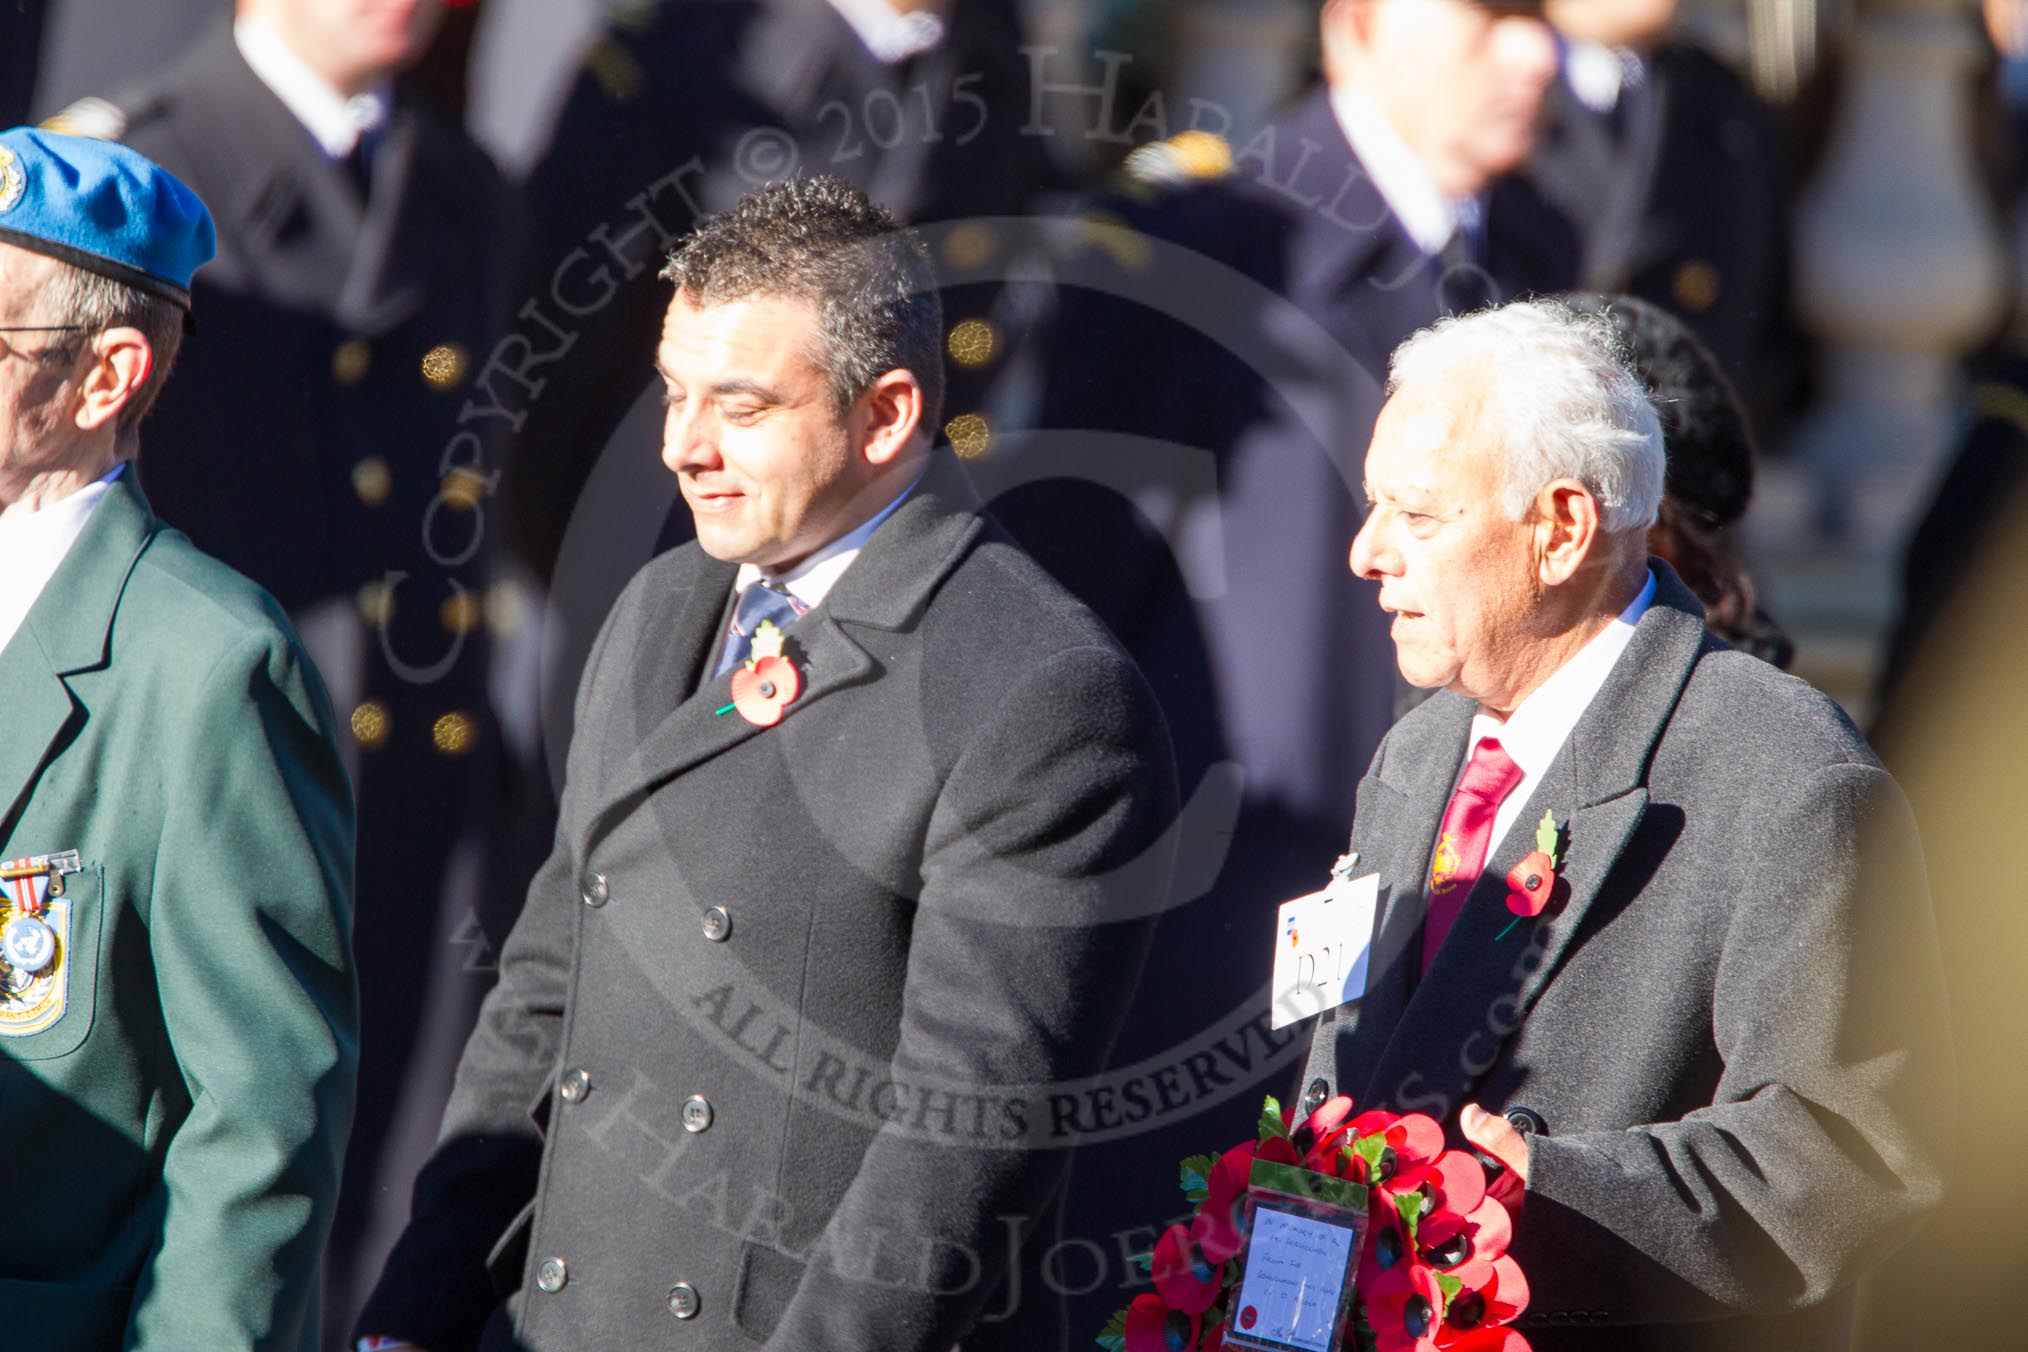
(811, 580)
(1404, 182)
(33, 546)
(1537, 729)
(892, 36)
(334, 121)
(1598, 75)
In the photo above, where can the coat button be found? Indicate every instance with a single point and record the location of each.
(683, 1300)
(550, 1277)
(575, 1085)
(593, 886)
(696, 1113)
(1527, 1121)
(1314, 1096)
(717, 924)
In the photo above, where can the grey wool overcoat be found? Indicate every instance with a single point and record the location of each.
(1728, 1027)
(768, 1058)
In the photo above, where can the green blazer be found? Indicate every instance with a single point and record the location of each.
(176, 1086)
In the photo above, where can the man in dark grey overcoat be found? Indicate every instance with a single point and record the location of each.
(1717, 1055)
(861, 814)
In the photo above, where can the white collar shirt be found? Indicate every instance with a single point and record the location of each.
(891, 35)
(1600, 75)
(334, 121)
(1404, 182)
(33, 546)
(1537, 729)
(811, 580)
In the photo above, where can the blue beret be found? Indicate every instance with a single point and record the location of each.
(103, 207)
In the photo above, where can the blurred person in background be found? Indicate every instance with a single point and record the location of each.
(1710, 447)
(683, 106)
(1672, 176)
(1210, 378)
(322, 440)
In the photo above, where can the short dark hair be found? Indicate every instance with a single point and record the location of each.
(96, 302)
(821, 239)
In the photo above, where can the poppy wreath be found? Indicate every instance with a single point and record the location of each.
(1433, 1272)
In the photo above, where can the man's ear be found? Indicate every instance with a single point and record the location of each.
(1566, 530)
(888, 415)
(1345, 30)
(120, 362)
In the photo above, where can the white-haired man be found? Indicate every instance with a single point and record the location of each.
(1715, 1056)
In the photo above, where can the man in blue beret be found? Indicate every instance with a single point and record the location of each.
(177, 1004)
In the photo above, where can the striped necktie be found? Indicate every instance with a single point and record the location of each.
(760, 601)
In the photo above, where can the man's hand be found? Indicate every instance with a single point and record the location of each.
(1496, 1136)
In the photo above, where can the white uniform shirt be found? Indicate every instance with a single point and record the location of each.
(811, 580)
(1541, 724)
(892, 36)
(33, 546)
(1405, 183)
(334, 121)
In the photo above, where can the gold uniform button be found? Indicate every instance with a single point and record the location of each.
(444, 366)
(461, 612)
(371, 724)
(376, 604)
(454, 734)
(969, 246)
(969, 435)
(616, 70)
(372, 480)
(973, 343)
(350, 362)
(462, 488)
(1696, 285)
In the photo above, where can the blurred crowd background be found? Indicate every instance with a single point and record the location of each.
(418, 403)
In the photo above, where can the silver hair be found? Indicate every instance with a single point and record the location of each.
(1560, 388)
(95, 302)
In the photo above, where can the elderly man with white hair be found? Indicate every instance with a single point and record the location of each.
(1650, 901)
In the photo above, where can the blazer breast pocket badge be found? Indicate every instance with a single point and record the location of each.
(34, 941)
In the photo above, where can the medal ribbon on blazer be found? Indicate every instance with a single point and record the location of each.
(34, 935)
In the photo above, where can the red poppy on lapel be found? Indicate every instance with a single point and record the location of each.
(1534, 878)
(760, 692)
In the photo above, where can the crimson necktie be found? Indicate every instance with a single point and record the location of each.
(1466, 839)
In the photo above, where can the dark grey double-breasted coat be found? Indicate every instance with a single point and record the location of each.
(1727, 1029)
(769, 1057)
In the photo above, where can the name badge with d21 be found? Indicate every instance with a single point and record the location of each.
(1302, 1253)
(1321, 945)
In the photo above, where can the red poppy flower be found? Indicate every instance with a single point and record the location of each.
(1455, 1182)
(762, 691)
(1152, 1326)
(1186, 1278)
(1490, 1294)
(1386, 1248)
(1220, 1227)
(1276, 1150)
(1409, 1143)
(1405, 1308)
(1501, 1339)
(1530, 884)
(1449, 1239)
(1322, 1131)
